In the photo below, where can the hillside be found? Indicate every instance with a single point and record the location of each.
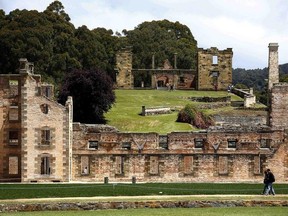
(256, 77)
(124, 115)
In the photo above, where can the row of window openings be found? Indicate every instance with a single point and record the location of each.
(199, 143)
(154, 169)
(14, 113)
(14, 165)
(43, 90)
(45, 137)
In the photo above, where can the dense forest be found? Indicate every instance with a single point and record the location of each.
(56, 47)
(52, 42)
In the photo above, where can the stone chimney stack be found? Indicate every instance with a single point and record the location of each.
(273, 67)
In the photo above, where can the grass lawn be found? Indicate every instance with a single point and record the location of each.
(235, 211)
(124, 114)
(17, 191)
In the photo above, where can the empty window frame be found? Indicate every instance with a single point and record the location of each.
(13, 165)
(14, 87)
(199, 142)
(223, 165)
(47, 91)
(13, 138)
(154, 165)
(45, 137)
(126, 145)
(45, 165)
(188, 164)
(214, 59)
(119, 165)
(13, 113)
(163, 141)
(264, 143)
(232, 143)
(93, 144)
(44, 108)
(257, 165)
(85, 168)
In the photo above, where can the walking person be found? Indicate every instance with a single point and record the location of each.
(270, 180)
(265, 181)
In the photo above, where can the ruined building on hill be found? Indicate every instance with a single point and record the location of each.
(39, 142)
(214, 71)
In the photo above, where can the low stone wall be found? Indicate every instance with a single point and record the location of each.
(155, 110)
(211, 99)
(97, 205)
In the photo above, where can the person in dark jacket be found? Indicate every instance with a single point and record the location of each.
(265, 181)
(270, 179)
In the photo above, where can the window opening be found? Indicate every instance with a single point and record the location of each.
(232, 143)
(93, 144)
(163, 141)
(264, 143)
(13, 137)
(45, 166)
(199, 142)
(45, 137)
(215, 59)
(13, 165)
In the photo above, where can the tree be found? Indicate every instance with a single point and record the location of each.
(163, 39)
(92, 92)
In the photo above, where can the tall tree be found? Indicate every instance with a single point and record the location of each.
(163, 39)
(92, 92)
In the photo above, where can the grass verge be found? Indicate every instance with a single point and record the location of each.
(20, 191)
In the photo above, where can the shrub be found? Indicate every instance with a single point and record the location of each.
(192, 115)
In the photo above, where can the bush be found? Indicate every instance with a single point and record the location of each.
(192, 115)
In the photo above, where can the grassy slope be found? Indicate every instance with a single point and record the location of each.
(124, 115)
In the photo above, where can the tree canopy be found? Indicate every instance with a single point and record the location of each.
(92, 92)
(52, 42)
(163, 39)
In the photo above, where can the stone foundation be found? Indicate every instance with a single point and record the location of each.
(98, 205)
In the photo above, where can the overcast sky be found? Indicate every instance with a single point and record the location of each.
(247, 26)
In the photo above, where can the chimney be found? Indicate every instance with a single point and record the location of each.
(273, 67)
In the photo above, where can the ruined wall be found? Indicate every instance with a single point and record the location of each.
(45, 137)
(10, 128)
(124, 76)
(212, 156)
(214, 69)
(278, 106)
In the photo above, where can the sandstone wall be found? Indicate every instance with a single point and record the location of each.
(214, 75)
(211, 156)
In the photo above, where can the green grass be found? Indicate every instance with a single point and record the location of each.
(235, 211)
(124, 114)
(17, 191)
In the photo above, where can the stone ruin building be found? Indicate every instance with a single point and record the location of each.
(39, 142)
(214, 71)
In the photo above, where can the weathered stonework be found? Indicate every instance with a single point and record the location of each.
(214, 69)
(273, 67)
(209, 75)
(102, 205)
(40, 143)
(124, 78)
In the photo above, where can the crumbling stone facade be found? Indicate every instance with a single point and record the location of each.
(214, 71)
(217, 155)
(35, 133)
(124, 78)
(40, 143)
